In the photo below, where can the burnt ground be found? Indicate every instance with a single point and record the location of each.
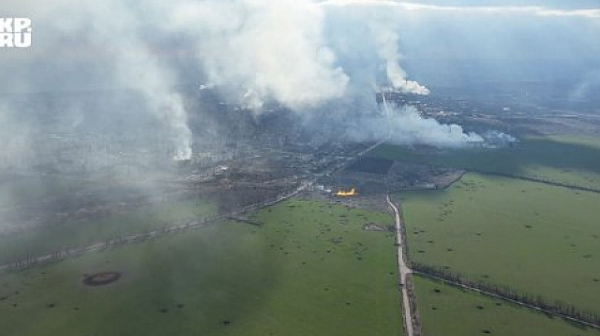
(372, 165)
(410, 176)
(101, 279)
(400, 176)
(372, 202)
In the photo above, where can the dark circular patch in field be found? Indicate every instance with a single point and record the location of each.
(101, 279)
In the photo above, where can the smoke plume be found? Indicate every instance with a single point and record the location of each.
(387, 47)
(310, 57)
(406, 126)
(263, 50)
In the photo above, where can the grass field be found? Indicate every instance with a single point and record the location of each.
(561, 159)
(74, 233)
(532, 237)
(450, 311)
(310, 269)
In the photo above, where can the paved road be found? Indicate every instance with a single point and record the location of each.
(404, 270)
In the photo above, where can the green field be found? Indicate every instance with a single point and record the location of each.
(310, 269)
(561, 159)
(450, 311)
(52, 235)
(74, 233)
(533, 237)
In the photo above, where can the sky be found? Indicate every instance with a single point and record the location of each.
(562, 4)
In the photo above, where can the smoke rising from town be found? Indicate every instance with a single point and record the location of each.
(405, 125)
(299, 54)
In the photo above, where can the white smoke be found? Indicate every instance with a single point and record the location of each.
(139, 69)
(261, 50)
(301, 54)
(406, 126)
(495, 139)
(115, 36)
(386, 41)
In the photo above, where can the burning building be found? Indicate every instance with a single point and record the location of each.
(348, 193)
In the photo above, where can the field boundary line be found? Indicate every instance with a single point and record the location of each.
(538, 180)
(508, 299)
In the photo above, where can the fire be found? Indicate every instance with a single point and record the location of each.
(343, 193)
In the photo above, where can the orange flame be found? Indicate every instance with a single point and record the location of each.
(343, 193)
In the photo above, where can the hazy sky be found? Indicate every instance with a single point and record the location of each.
(572, 4)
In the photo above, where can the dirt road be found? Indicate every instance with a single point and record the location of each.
(403, 269)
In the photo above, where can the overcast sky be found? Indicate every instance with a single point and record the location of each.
(573, 4)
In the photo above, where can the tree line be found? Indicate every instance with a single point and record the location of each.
(559, 308)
